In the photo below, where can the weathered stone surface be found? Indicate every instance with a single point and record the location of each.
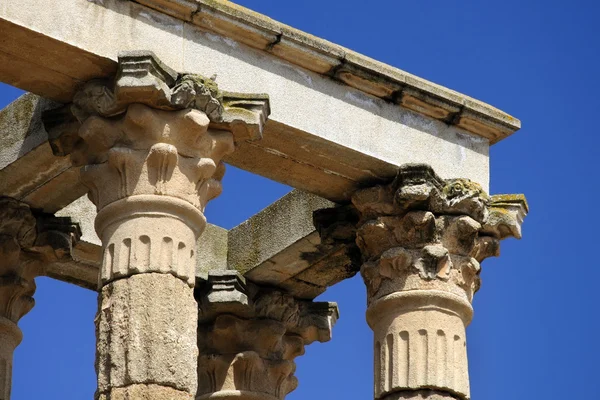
(249, 336)
(212, 250)
(26, 159)
(421, 395)
(273, 229)
(17, 231)
(145, 234)
(279, 246)
(83, 212)
(421, 240)
(146, 333)
(151, 163)
(145, 392)
(315, 146)
(237, 24)
(10, 337)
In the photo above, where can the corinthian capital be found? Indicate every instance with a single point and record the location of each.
(248, 337)
(150, 144)
(424, 232)
(28, 242)
(17, 231)
(153, 131)
(421, 240)
(149, 151)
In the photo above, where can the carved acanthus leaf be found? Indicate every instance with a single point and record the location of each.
(143, 79)
(250, 334)
(28, 242)
(17, 231)
(418, 187)
(279, 306)
(421, 231)
(150, 151)
(316, 321)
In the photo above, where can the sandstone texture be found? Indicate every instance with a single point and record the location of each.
(146, 332)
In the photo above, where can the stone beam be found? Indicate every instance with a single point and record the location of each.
(322, 137)
(28, 169)
(278, 246)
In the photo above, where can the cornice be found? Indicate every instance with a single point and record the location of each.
(341, 64)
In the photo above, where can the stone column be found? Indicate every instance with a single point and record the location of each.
(150, 193)
(17, 231)
(422, 239)
(151, 163)
(249, 336)
(28, 243)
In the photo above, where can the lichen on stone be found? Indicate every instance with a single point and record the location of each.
(197, 91)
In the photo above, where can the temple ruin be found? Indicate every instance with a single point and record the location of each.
(107, 164)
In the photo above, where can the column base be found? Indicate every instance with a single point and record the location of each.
(421, 395)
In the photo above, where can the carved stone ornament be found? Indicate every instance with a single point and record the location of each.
(17, 231)
(27, 243)
(421, 239)
(143, 79)
(150, 144)
(152, 132)
(249, 336)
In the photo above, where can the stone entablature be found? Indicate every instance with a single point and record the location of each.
(421, 241)
(353, 69)
(249, 336)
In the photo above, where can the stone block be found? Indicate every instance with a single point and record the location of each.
(279, 226)
(152, 340)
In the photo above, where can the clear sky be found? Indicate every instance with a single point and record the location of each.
(535, 330)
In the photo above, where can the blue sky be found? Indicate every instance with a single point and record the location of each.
(534, 333)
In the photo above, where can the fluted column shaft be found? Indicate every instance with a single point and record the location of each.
(146, 324)
(425, 394)
(419, 341)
